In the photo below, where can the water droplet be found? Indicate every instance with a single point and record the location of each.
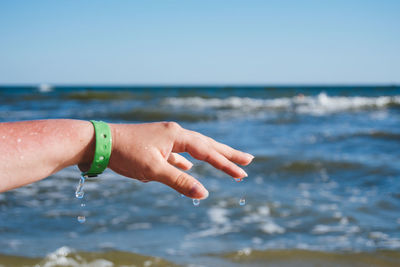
(242, 201)
(182, 195)
(238, 179)
(196, 202)
(81, 219)
(83, 205)
(79, 193)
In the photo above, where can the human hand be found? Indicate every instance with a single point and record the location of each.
(149, 152)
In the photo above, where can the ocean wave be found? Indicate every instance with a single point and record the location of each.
(66, 256)
(317, 105)
(374, 134)
(300, 166)
(89, 95)
(310, 165)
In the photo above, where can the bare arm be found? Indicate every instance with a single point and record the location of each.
(33, 150)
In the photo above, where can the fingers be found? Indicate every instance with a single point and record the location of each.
(234, 155)
(179, 161)
(221, 163)
(181, 182)
(218, 155)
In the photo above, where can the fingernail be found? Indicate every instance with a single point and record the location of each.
(198, 191)
(243, 173)
(250, 156)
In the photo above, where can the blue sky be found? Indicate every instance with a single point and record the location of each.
(200, 42)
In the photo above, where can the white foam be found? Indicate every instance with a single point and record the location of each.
(256, 240)
(218, 215)
(60, 257)
(323, 229)
(317, 105)
(378, 235)
(213, 231)
(271, 228)
(245, 252)
(264, 210)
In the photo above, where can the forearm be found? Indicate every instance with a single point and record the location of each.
(33, 150)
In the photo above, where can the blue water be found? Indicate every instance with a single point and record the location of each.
(325, 177)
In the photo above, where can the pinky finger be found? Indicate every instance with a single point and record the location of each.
(179, 161)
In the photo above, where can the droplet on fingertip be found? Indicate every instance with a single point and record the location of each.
(238, 179)
(196, 202)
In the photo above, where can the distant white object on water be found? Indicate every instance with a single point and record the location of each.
(45, 88)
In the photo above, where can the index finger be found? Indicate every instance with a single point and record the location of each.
(201, 148)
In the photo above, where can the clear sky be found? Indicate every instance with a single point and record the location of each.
(200, 42)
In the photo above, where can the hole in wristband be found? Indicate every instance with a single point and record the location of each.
(104, 136)
(105, 146)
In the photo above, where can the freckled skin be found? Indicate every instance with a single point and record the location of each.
(147, 152)
(44, 153)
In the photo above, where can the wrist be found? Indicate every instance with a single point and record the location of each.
(114, 147)
(102, 150)
(88, 142)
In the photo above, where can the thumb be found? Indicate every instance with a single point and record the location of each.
(181, 182)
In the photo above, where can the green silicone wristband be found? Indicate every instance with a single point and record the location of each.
(102, 150)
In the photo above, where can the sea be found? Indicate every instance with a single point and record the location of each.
(323, 189)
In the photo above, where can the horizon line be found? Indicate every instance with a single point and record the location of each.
(55, 85)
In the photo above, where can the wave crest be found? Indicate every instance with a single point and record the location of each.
(319, 104)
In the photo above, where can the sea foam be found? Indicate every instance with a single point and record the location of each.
(317, 105)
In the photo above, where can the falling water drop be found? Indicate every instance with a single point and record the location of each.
(196, 202)
(238, 179)
(81, 219)
(79, 193)
(242, 201)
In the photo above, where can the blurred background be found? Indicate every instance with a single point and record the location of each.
(311, 89)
